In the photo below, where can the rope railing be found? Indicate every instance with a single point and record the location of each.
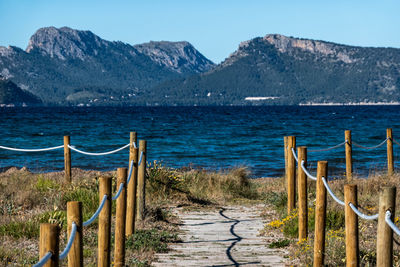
(31, 149)
(96, 214)
(130, 172)
(362, 215)
(327, 149)
(43, 260)
(370, 147)
(306, 172)
(390, 223)
(294, 155)
(98, 154)
(70, 241)
(331, 192)
(121, 186)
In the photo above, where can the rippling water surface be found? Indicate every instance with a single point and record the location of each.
(207, 137)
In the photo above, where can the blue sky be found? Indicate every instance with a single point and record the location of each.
(214, 27)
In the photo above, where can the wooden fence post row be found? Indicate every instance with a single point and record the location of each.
(120, 217)
(351, 226)
(349, 158)
(74, 214)
(320, 214)
(389, 143)
(141, 184)
(49, 242)
(132, 187)
(384, 241)
(67, 159)
(104, 234)
(291, 175)
(302, 193)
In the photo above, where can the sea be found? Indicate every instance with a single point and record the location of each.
(210, 138)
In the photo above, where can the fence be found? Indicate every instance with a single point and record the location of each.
(387, 198)
(130, 206)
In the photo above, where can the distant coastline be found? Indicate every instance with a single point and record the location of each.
(351, 104)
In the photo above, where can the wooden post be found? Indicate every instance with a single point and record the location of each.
(384, 242)
(291, 175)
(302, 193)
(389, 143)
(320, 214)
(49, 241)
(349, 160)
(285, 143)
(104, 242)
(132, 188)
(351, 226)
(120, 217)
(74, 214)
(67, 159)
(141, 193)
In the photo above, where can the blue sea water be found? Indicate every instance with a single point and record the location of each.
(216, 138)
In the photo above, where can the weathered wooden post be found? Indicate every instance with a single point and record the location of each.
(49, 241)
(285, 143)
(291, 175)
(74, 214)
(141, 193)
(320, 214)
(67, 159)
(104, 243)
(132, 187)
(384, 242)
(120, 217)
(351, 226)
(389, 143)
(349, 160)
(302, 193)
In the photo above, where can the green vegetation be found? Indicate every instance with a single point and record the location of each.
(153, 239)
(280, 243)
(10, 93)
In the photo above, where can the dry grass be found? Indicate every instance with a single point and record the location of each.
(368, 199)
(28, 199)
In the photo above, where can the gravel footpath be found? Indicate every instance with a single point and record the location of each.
(225, 237)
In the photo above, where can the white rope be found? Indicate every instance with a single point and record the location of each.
(94, 216)
(130, 172)
(327, 149)
(306, 172)
(98, 154)
(140, 158)
(390, 223)
(70, 241)
(134, 145)
(43, 260)
(371, 147)
(294, 155)
(121, 186)
(331, 193)
(31, 150)
(362, 215)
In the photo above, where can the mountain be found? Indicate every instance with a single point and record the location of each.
(10, 93)
(287, 70)
(67, 66)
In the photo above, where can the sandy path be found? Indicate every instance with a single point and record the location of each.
(225, 237)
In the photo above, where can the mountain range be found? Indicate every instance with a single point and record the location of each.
(68, 67)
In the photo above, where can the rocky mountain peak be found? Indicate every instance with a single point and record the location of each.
(65, 43)
(181, 57)
(286, 44)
